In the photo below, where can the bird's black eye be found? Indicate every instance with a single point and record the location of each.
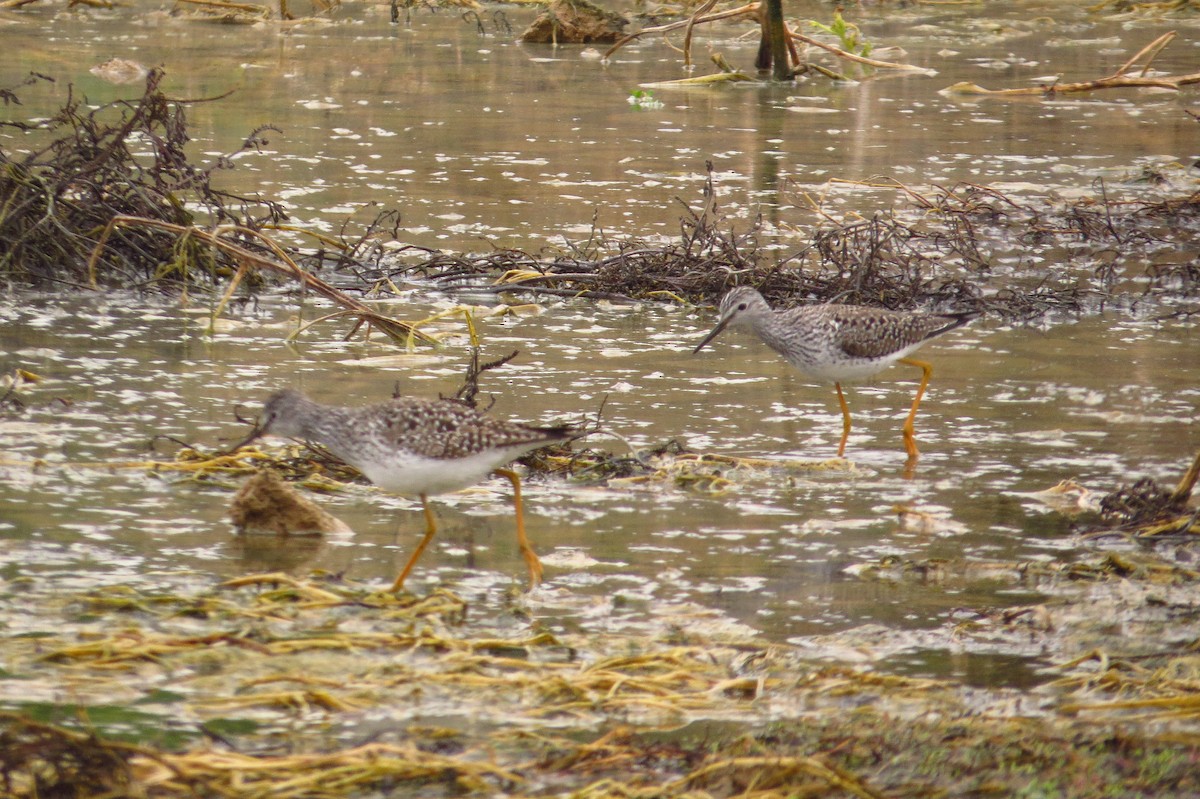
(742, 306)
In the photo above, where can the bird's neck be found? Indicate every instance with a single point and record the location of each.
(772, 333)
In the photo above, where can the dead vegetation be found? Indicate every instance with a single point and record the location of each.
(945, 252)
(680, 715)
(794, 62)
(1135, 73)
(124, 159)
(44, 760)
(1148, 511)
(1153, 8)
(219, 11)
(112, 201)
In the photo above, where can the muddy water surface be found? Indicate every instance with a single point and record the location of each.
(478, 140)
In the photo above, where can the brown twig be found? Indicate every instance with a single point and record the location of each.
(1154, 48)
(469, 390)
(687, 36)
(399, 331)
(1116, 80)
(240, 8)
(848, 56)
(752, 10)
(732, 13)
(1184, 490)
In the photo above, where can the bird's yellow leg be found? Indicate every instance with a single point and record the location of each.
(531, 558)
(430, 531)
(910, 441)
(845, 419)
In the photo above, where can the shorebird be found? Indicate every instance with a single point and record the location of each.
(838, 343)
(415, 447)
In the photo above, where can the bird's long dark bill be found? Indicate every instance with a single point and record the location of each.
(716, 331)
(254, 436)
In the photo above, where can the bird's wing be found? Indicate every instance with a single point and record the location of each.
(876, 336)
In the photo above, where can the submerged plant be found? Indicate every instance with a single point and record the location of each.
(641, 100)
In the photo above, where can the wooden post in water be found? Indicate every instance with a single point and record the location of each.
(773, 33)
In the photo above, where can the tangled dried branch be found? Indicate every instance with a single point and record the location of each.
(124, 158)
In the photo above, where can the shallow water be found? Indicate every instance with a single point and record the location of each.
(477, 139)
(770, 553)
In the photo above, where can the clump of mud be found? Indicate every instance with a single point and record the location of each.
(575, 22)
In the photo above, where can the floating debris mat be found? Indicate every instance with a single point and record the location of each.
(273, 685)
